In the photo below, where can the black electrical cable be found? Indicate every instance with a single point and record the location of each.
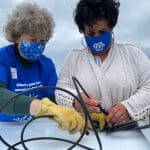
(23, 131)
(142, 127)
(47, 87)
(6, 143)
(49, 138)
(51, 87)
(126, 126)
(133, 125)
(42, 138)
(86, 113)
(75, 81)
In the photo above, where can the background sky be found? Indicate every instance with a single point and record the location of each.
(133, 25)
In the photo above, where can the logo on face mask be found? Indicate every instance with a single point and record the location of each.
(31, 50)
(99, 43)
(99, 46)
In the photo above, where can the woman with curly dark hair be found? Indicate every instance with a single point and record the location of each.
(115, 75)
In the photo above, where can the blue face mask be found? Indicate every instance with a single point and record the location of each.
(100, 43)
(31, 50)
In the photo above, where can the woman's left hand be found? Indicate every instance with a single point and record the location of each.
(118, 114)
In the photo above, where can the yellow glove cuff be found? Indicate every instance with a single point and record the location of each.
(44, 107)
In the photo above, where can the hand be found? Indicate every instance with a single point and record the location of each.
(99, 120)
(118, 114)
(67, 118)
(91, 103)
(34, 107)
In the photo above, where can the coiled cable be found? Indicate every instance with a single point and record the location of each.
(85, 111)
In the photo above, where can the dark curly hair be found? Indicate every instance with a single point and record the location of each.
(89, 11)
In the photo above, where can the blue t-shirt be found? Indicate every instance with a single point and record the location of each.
(19, 78)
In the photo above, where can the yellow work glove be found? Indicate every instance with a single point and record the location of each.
(99, 120)
(67, 118)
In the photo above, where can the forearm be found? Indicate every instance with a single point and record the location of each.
(64, 82)
(23, 105)
(18, 106)
(138, 105)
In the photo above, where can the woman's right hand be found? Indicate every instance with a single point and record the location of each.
(91, 103)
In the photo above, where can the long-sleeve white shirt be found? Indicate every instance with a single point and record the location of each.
(124, 76)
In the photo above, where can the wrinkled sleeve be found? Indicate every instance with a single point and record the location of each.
(64, 81)
(17, 106)
(138, 105)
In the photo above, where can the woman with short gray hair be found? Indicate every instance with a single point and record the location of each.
(23, 67)
(22, 64)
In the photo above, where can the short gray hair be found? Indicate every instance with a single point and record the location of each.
(28, 18)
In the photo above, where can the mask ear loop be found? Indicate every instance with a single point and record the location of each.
(83, 43)
(113, 39)
(113, 36)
